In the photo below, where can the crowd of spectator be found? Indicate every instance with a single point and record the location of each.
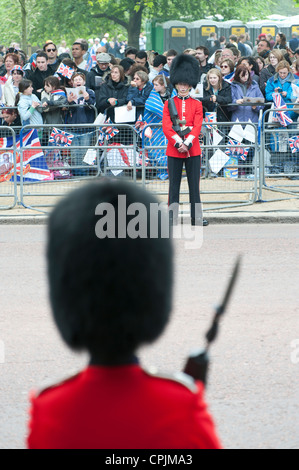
(232, 69)
(127, 77)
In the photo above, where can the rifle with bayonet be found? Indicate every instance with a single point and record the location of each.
(198, 362)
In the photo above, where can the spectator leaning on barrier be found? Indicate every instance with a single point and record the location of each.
(81, 112)
(216, 95)
(54, 100)
(243, 86)
(281, 82)
(252, 66)
(113, 93)
(138, 94)
(29, 106)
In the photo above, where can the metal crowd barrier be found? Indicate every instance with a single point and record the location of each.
(279, 155)
(230, 156)
(239, 161)
(9, 168)
(62, 157)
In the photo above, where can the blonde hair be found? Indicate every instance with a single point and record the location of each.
(214, 72)
(277, 53)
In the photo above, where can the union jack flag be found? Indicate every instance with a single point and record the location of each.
(61, 138)
(140, 125)
(210, 117)
(283, 116)
(294, 143)
(229, 77)
(107, 132)
(236, 150)
(65, 70)
(35, 167)
(91, 61)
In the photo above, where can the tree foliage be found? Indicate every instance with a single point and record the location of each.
(36, 21)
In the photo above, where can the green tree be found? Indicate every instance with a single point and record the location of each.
(35, 21)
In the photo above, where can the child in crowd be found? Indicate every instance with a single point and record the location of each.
(29, 106)
(81, 114)
(54, 101)
(81, 111)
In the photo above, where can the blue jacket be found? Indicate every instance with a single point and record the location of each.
(274, 82)
(245, 113)
(139, 97)
(82, 113)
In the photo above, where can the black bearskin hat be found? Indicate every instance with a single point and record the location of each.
(109, 294)
(184, 69)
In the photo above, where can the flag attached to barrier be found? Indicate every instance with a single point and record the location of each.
(107, 132)
(65, 71)
(210, 117)
(235, 150)
(294, 143)
(283, 116)
(61, 138)
(119, 157)
(35, 167)
(140, 125)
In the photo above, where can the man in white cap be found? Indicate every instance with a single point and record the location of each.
(98, 74)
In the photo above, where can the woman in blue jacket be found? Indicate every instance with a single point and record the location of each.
(139, 92)
(281, 82)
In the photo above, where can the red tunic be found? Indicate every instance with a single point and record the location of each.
(193, 115)
(121, 407)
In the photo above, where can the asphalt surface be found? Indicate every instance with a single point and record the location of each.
(253, 381)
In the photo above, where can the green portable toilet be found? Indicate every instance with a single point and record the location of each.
(176, 35)
(201, 31)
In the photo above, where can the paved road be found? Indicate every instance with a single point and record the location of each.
(253, 381)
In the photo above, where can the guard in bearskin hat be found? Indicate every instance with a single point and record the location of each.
(111, 292)
(182, 121)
